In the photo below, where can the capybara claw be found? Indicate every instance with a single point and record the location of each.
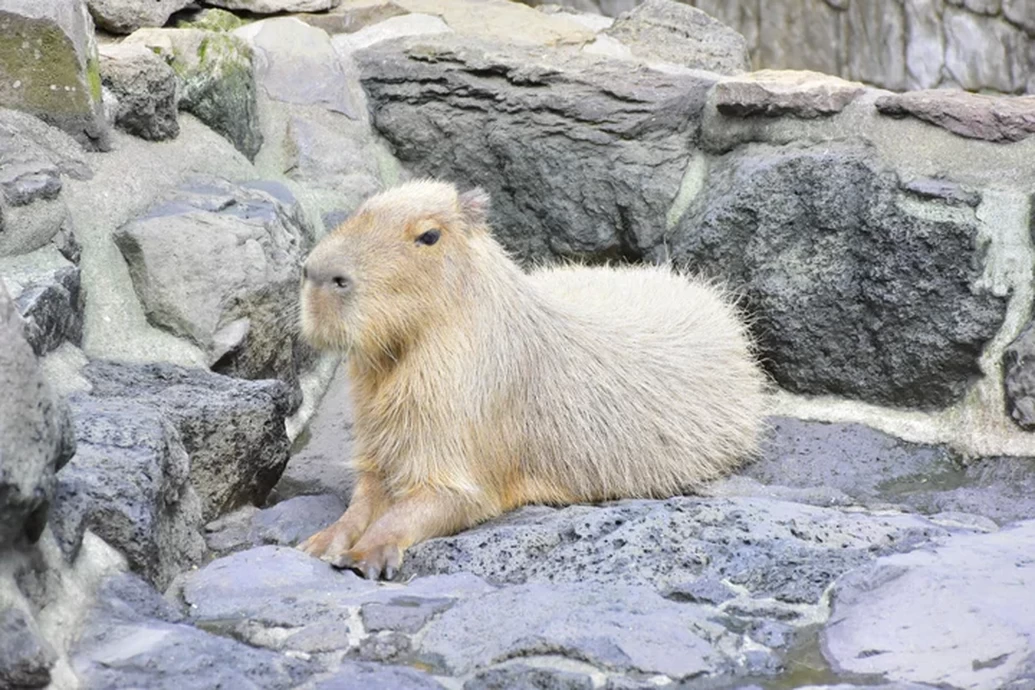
(374, 564)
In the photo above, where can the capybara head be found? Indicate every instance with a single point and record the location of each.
(390, 269)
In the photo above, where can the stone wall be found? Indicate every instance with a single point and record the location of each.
(977, 45)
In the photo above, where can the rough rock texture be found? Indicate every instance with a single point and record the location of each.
(145, 87)
(46, 289)
(774, 93)
(25, 659)
(514, 120)
(286, 523)
(276, 6)
(48, 67)
(35, 434)
(522, 677)
(893, 314)
(232, 429)
(669, 31)
(126, 16)
(349, 19)
(1019, 378)
(129, 484)
(976, 116)
(216, 80)
(218, 264)
(957, 615)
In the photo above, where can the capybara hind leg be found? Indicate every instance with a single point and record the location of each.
(368, 503)
(418, 516)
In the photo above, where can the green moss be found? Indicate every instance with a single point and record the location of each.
(41, 58)
(93, 78)
(214, 20)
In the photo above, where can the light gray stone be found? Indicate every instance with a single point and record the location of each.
(126, 16)
(925, 44)
(775, 93)
(970, 115)
(49, 67)
(413, 24)
(959, 614)
(815, 26)
(377, 677)
(668, 31)
(1022, 13)
(404, 613)
(145, 88)
(287, 523)
(276, 6)
(25, 658)
(875, 43)
(985, 52)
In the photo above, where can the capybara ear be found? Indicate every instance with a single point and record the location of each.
(474, 206)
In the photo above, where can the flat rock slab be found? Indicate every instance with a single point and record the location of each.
(775, 93)
(959, 615)
(287, 523)
(126, 16)
(971, 115)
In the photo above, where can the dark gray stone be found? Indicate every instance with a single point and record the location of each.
(853, 295)
(384, 647)
(129, 484)
(522, 677)
(287, 523)
(773, 548)
(232, 429)
(35, 433)
(874, 468)
(946, 191)
(377, 677)
(704, 590)
(515, 120)
(1019, 378)
(970, 115)
(52, 307)
(146, 90)
(25, 659)
(129, 641)
(404, 613)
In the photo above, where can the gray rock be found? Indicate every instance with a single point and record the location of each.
(1020, 13)
(126, 16)
(218, 263)
(874, 40)
(349, 19)
(937, 189)
(145, 87)
(276, 6)
(619, 137)
(35, 434)
(645, 634)
(129, 484)
(782, 92)
(985, 52)
(46, 289)
(232, 429)
(674, 32)
(131, 640)
(704, 590)
(877, 469)
(287, 523)
(854, 295)
(1019, 378)
(772, 548)
(377, 677)
(49, 68)
(25, 659)
(296, 63)
(216, 80)
(522, 677)
(404, 613)
(970, 115)
(956, 615)
(412, 24)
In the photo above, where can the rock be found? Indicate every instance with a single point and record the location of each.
(218, 263)
(46, 289)
(1020, 13)
(276, 6)
(925, 44)
(984, 52)
(971, 115)
(126, 16)
(403, 613)
(1019, 378)
(232, 429)
(955, 615)
(522, 677)
(893, 314)
(25, 659)
(129, 484)
(131, 640)
(33, 159)
(297, 64)
(415, 24)
(874, 43)
(145, 87)
(786, 551)
(776, 93)
(216, 80)
(935, 189)
(619, 137)
(35, 434)
(377, 677)
(669, 31)
(703, 590)
(49, 68)
(875, 469)
(349, 19)
(287, 523)
(647, 634)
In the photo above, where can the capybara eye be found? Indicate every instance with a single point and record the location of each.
(340, 282)
(429, 238)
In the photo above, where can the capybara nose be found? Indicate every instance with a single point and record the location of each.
(322, 275)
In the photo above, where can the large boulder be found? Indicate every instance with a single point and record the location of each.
(126, 16)
(145, 88)
(856, 293)
(35, 434)
(516, 120)
(218, 263)
(49, 67)
(216, 80)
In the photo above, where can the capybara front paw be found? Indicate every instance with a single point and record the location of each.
(329, 543)
(375, 563)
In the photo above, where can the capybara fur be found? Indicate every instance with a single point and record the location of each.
(478, 387)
